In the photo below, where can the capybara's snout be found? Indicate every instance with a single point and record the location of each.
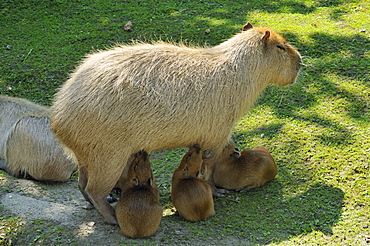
(195, 149)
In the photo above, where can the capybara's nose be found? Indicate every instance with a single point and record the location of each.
(196, 147)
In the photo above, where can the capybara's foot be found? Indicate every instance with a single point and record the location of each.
(219, 192)
(103, 207)
(111, 198)
(87, 198)
(248, 187)
(109, 214)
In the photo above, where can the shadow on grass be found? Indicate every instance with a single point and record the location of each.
(330, 58)
(264, 215)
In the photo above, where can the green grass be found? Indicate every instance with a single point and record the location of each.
(317, 130)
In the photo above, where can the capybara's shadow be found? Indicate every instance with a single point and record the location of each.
(265, 215)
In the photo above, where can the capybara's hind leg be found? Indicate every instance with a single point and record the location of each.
(248, 187)
(98, 187)
(82, 181)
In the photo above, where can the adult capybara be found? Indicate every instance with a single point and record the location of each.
(159, 96)
(139, 211)
(28, 146)
(191, 196)
(246, 170)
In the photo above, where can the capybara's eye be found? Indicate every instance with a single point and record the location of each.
(197, 174)
(185, 171)
(281, 47)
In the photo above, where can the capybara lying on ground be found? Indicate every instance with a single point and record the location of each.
(191, 196)
(28, 146)
(138, 211)
(246, 170)
(160, 96)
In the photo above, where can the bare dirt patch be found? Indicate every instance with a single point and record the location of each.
(57, 214)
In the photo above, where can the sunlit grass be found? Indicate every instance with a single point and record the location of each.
(317, 130)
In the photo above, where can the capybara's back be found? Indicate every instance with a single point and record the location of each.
(139, 211)
(33, 150)
(28, 146)
(253, 168)
(11, 110)
(191, 196)
(159, 96)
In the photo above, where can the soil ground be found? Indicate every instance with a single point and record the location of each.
(57, 214)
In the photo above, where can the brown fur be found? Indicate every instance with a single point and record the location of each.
(250, 169)
(191, 196)
(28, 146)
(138, 212)
(159, 96)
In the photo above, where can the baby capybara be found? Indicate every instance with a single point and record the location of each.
(246, 170)
(191, 196)
(138, 212)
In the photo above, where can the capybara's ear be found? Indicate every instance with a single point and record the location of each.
(150, 182)
(235, 155)
(135, 181)
(247, 26)
(266, 36)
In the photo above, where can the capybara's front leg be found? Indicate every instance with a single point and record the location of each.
(209, 162)
(101, 204)
(99, 184)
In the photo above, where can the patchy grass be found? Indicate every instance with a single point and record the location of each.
(318, 129)
(9, 228)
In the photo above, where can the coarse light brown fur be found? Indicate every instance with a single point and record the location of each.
(28, 146)
(138, 212)
(246, 170)
(159, 96)
(191, 196)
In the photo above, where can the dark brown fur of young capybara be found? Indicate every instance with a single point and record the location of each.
(139, 211)
(191, 196)
(246, 170)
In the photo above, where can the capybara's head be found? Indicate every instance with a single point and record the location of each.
(140, 173)
(191, 162)
(280, 59)
(230, 152)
